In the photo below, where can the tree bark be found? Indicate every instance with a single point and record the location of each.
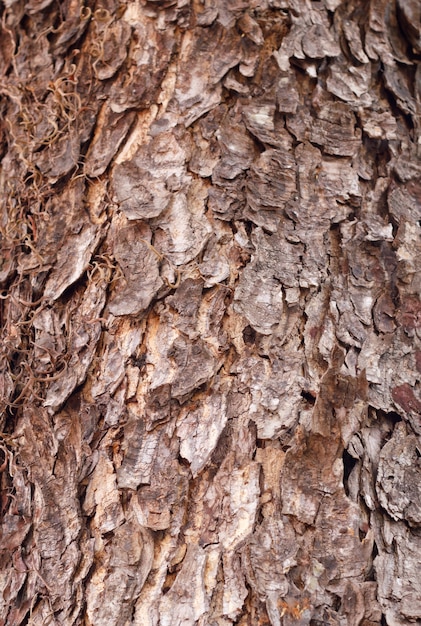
(210, 358)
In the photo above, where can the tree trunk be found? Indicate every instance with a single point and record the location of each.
(210, 231)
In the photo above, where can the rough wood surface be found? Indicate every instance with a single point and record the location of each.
(210, 313)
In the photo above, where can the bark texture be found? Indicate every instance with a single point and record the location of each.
(210, 359)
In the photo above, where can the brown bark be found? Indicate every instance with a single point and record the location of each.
(210, 358)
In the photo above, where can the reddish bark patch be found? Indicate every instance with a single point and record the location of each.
(418, 360)
(315, 331)
(405, 397)
(410, 313)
